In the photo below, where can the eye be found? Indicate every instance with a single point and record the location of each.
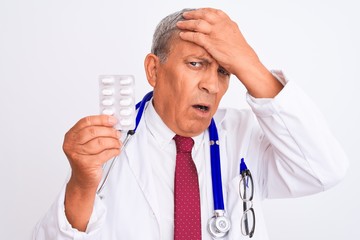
(223, 71)
(196, 64)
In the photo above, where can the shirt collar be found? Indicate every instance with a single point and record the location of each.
(162, 133)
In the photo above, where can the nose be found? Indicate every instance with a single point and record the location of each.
(210, 82)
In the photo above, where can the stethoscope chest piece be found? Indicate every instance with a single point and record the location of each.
(219, 225)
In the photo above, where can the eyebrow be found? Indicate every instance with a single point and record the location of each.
(201, 58)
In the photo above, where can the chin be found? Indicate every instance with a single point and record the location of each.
(197, 128)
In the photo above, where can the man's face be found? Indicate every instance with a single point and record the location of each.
(189, 86)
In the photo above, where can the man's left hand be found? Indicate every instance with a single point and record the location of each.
(213, 30)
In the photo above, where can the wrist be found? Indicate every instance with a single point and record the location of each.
(81, 187)
(258, 80)
(79, 203)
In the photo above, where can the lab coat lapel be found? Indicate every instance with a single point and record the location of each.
(142, 169)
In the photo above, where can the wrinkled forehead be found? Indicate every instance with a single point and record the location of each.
(183, 49)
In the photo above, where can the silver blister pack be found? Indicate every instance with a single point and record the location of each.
(117, 98)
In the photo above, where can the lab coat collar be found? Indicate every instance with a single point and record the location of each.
(219, 117)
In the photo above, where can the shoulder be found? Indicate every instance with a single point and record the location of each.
(232, 115)
(230, 118)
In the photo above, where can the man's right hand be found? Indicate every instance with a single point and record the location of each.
(90, 143)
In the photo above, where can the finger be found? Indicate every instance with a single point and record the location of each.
(208, 14)
(96, 159)
(195, 26)
(98, 120)
(98, 145)
(105, 156)
(89, 133)
(195, 37)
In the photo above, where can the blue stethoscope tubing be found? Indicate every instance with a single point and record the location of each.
(215, 167)
(219, 224)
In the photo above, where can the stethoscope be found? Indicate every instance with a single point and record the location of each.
(219, 224)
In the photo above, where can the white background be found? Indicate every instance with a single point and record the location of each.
(51, 53)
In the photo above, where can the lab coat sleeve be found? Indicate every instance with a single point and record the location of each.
(301, 156)
(56, 226)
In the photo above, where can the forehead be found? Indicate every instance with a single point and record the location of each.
(184, 49)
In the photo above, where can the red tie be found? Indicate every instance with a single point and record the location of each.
(187, 218)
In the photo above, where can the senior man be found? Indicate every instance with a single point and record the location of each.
(157, 190)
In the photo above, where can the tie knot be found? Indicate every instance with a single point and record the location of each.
(183, 144)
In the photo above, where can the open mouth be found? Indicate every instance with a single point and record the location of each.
(201, 107)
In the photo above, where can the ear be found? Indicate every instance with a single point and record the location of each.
(151, 65)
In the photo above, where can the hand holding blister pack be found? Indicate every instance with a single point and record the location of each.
(117, 98)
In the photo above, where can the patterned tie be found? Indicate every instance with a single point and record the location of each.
(187, 218)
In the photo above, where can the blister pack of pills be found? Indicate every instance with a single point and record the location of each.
(117, 98)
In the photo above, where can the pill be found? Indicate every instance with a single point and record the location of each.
(126, 122)
(107, 102)
(125, 102)
(108, 111)
(126, 81)
(126, 91)
(107, 91)
(126, 112)
(116, 95)
(108, 80)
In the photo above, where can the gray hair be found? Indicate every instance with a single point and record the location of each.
(165, 33)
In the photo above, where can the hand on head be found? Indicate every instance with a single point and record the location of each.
(221, 37)
(213, 30)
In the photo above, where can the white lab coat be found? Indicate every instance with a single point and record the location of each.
(288, 149)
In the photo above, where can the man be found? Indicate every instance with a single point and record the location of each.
(287, 147)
